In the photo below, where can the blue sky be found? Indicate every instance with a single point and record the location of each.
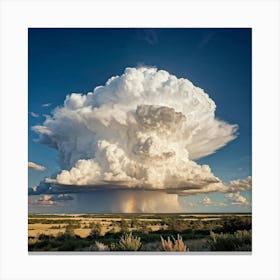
(63, 61)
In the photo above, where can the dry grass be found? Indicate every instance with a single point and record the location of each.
(174, 245)
(101, 247)
(129, 243)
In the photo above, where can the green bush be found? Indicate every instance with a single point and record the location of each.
(124, 226)
(96, 230)
(238, 241)
(232, 224)
(69, 230)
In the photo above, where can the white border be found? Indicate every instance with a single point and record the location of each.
(262, 16)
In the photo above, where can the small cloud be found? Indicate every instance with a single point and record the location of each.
(192, 204)
(49, 180)
(46, 105)
(32, 165)
(237, 199)
(42, 130)
(47, 200)
(61, 197)
(149, 35)
(208, 202)
(34, 115)
(240, 185)
(206, 38)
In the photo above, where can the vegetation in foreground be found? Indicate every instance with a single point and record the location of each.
(140, 233)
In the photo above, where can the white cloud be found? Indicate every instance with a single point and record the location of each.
(142, 129)
(240, 185)
(46, 105)
(41, 129)
(149, 35)
(237, 199)
(208, 202)
(32, 165)
(47, 200)
(221, 204)
(192, 204)
(34, 115)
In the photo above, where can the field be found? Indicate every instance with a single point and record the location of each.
(139, 232)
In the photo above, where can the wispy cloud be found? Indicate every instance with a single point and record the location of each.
(34, 115)
(206, 38)
(34, 166)
(207, 201)
(149, 35)
(192, 204)
(46, 105)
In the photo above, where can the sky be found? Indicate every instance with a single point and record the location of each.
(65, 61)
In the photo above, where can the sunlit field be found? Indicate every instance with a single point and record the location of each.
(140, 232)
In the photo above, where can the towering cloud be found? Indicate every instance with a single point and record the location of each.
(143, 129)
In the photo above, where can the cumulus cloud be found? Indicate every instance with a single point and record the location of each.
(47, 200)
(143, 129)
(240, 185)
(237, 199)
(35, 166)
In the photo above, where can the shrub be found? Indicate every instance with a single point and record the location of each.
(238, 241)
(177, 225)
(43, 236)
(69, 230)
(134, 223)
(96, 230)
(129, 243)
(124, 226)
(101, 247)
(144, 228)
(175, 245)
(232, 224)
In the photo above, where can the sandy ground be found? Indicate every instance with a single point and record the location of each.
(108, 223)
(34, 230)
